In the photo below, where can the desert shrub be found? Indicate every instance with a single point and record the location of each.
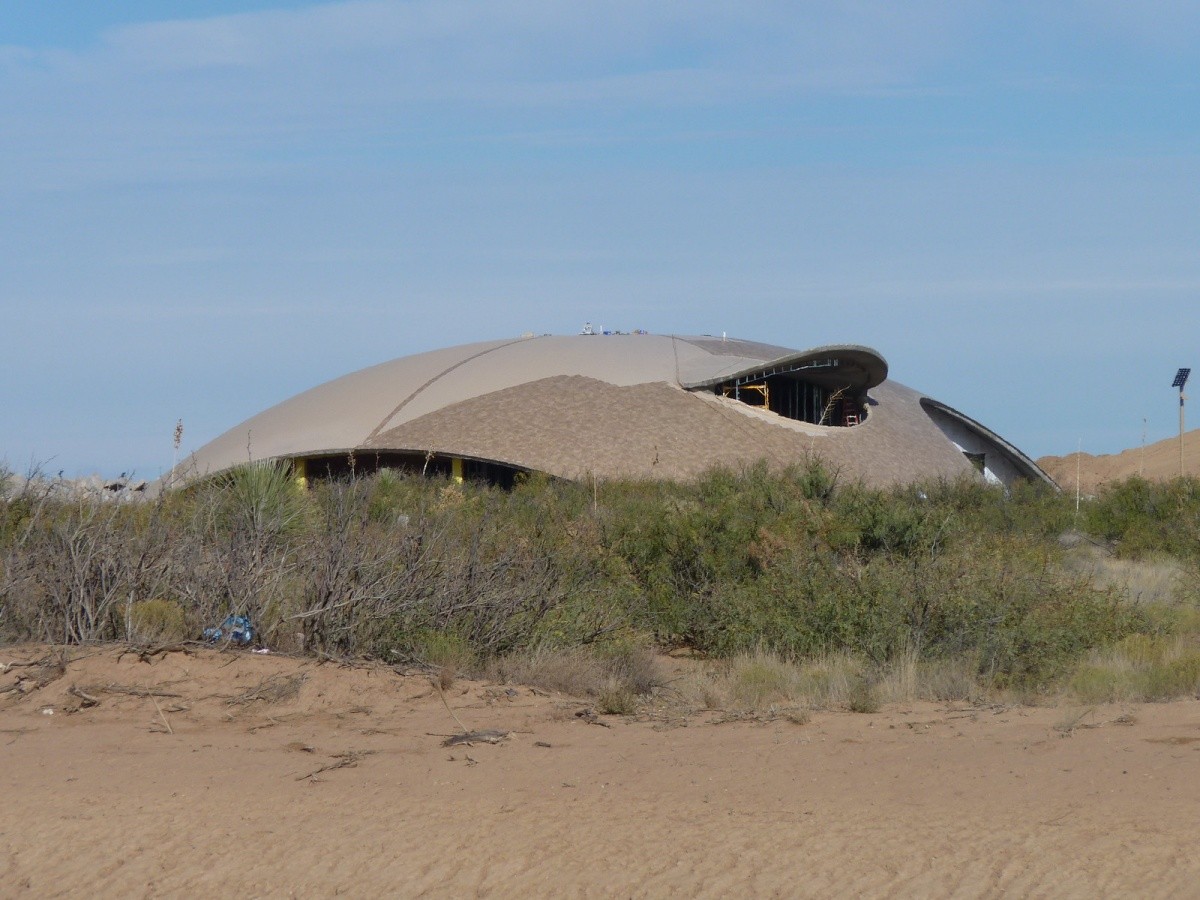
(947, 678)
(616, 675)
(617, 700)
(502, 572)
(760, 683)
(1000, 602)
(1100, 684)
(1139, 668)
(1155, 580)
(157, 619)
(1027, 508)
(236, 551)
(759, 678)
(631, 662)
(260, 501)
(891, 523)
(1033, 624)
(1178, 677)
(569, 670)
(75, 565)
(746, 560)
(444, 652)
(956, 578)
(1141, 516)
(864, 696)
(352, 571)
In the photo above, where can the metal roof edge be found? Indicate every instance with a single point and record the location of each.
(1018, 457)
(870, 359)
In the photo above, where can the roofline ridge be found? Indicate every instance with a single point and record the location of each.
(421, 388)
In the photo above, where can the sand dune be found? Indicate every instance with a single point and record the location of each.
(1158, 462)
(283, 777)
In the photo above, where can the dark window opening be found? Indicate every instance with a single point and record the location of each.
(795, 398)
(978, 460)
(346, 465)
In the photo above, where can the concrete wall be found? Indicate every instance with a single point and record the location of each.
(998, 467)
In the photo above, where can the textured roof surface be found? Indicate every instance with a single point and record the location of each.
(573, 426)
(609, 405)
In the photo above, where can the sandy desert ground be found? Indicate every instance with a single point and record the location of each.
(1157, 462)
(204, 773)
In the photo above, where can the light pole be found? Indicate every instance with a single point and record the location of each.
(1181, 378)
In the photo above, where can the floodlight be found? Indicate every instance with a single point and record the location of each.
(1181, 378)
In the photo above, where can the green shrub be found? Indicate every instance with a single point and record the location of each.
(1179, 677)
(759, 679)
(439, 649)
(1142, 517)
(158, 620)
(864, 698)
(616, 700)
(953, 577)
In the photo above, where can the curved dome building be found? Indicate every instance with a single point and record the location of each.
(620, 406)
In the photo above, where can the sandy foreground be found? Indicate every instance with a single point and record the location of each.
(287, 777)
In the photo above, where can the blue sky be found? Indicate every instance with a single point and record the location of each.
(210, 206)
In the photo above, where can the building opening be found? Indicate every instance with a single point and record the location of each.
(347, 465)
(809, 393)
(978, 460)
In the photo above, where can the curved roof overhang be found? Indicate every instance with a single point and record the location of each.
(847, 365)
(1023, 463)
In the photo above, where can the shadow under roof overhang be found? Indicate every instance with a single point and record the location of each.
(840, 366)
(1022, 463)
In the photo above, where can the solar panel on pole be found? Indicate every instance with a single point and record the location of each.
(1181, 378)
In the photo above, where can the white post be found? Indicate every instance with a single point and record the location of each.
(1079, 465)
(1142, 455)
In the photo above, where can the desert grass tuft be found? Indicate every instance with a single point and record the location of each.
(617, 700)
(157, 621)
(864, 696)
(757, 683)
(1139, 668)
(1149, 580)
(616, 677)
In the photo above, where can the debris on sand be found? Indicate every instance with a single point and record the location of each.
(487, 736)
(273, 689)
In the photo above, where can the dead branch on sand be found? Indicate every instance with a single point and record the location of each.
(166, 724)
(85, 699)
(134, 690)
(272, 689)
(145, 654)
(446, 704)
(45, 670)
(470, 738)
(347, 760)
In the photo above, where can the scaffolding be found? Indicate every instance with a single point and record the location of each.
(735, 391)
(780, 390)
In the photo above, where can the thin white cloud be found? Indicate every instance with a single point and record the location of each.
(193, 99)
(838, 44)
(174, 100)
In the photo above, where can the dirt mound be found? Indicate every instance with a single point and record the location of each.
(1157, 462)
(197, 772)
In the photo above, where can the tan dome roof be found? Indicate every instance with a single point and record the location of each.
(622, 405)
